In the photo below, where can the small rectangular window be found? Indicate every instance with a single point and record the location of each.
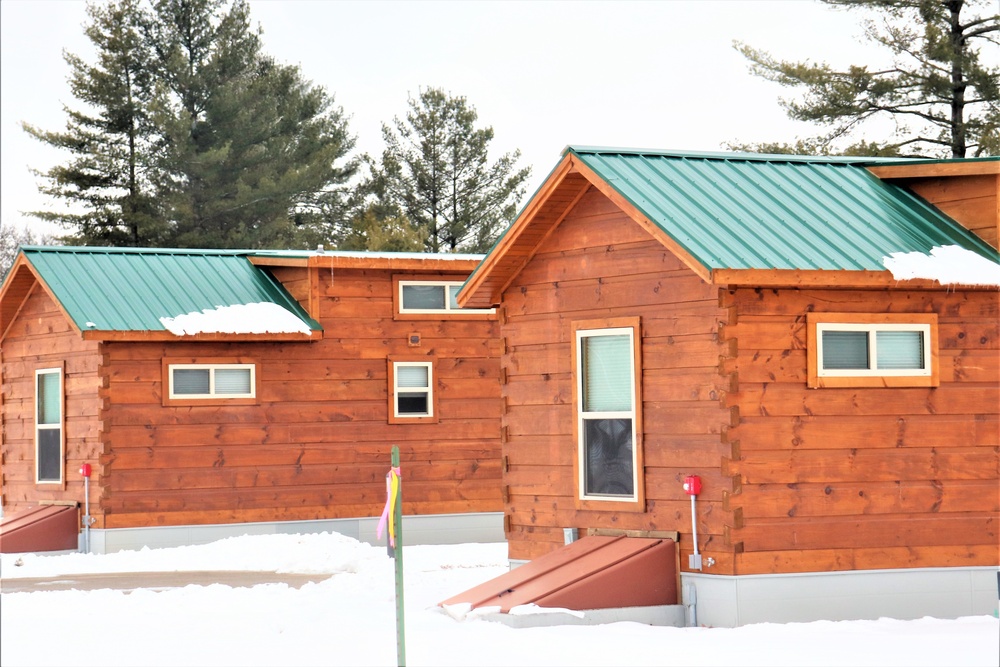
(411, 395)
(212, 381)
(609, 456)
(49, 452)
(848, 350)
(432, 297)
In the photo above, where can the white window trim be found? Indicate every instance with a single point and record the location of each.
(211, 381)
(872, 329)
(429, 365)
(582, 416)
(51, 427)
(447, 299)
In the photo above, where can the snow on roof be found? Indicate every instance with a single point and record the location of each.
(250, 318)
(949, 265)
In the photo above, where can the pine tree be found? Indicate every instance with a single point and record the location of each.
(943, 97)
(196, 138)
(435, 171)
(246, 141)
(107, 182)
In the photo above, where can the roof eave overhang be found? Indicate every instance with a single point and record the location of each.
(161, 336)
(516, 247)
(21, 279)
(933, 169)
(827, 279)
(374, 262)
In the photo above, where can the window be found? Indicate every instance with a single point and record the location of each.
(609, 453)
(411, 395)
(210, 383)
(49, 426)
(416, 298)
(851, 350)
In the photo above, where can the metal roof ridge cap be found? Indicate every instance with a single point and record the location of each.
(722, 155)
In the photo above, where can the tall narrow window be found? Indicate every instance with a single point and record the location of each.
(609, 460)
(49, 426)
(411, 395)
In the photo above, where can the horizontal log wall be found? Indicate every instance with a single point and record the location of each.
(600, 264)
(41, 337)
(317, 445)
(863, 478)
(973, 201)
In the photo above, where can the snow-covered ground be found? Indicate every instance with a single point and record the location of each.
(349, 618)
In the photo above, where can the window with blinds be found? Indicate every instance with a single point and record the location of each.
(606, 414)
(212, 381)
(412, 390)
(873, 349)
(48, 426)
(432, 297)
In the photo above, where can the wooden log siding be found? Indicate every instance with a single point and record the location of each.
(858, 478)
(599, 264)
(317, 443)
(41, 337)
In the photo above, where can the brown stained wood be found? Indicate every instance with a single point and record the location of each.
(228, 476)
(861, 464)
(584, 296)
(550, 389)
(839, 432)
(803, 278)
(530, 361)
(949, 304)
(642, 256)
(320, 421)
(195, 455)
(542, 213)
(818, 499)
(754, 365)
(833, 560)
(873, 531)
(312, 512)
(532, 450)
(957, 168)
(684, 384)
(687, 417)
(538, 420)
(783, 400)
(644, 223)
(681, 452)
(373, 494)
(544, 480)
(670, 516)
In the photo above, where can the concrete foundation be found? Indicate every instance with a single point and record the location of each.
(430, 529)
(725, 601)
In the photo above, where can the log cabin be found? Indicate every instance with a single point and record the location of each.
(218, 393)
(674, 320)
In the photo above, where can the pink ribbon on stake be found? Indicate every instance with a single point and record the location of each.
(391, 493)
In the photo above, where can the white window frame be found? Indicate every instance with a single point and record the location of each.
(58, 425)
(211, 368)
(872, 330)
(584, 498)
(447, 285)
(396, 389)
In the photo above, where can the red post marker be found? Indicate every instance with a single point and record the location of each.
(85, 470)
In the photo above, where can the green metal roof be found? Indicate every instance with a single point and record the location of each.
(751, 211)
(125, 289)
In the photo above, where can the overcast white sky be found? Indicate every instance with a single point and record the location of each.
(542, 74)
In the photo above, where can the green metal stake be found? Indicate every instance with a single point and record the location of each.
(397, 522)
